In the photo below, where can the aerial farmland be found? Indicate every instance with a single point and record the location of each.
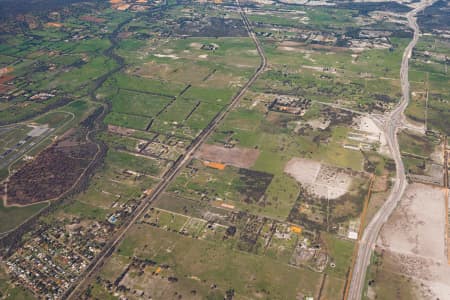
(223, 150)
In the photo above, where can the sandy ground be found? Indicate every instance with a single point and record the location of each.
(415, 235)
(438, 155)
(334, 181)
(368, 125)
(304, 171)
(320, 180)
(319, 123)
(238, 157)
(166, 56)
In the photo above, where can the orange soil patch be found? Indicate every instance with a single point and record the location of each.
(141, 1)
(214, 165)
(5, 78)
(5, 70)
(238, 157)
(92, 19)
(123, 7)
(296, 229)
(115, 1)
(54, 24)
(227, 205)
(220, 203)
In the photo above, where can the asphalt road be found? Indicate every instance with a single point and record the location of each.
(393, 121)
(98, 263)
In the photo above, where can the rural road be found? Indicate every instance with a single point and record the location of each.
(170, 175)
(393, 121)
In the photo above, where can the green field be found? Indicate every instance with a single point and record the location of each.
(428, 75)
(136, 103)
(249, 275)
(161, 72)
(11, 217)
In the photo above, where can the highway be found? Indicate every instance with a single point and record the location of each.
(92, 269)
(393, 121)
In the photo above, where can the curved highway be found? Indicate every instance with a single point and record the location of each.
(393, 121)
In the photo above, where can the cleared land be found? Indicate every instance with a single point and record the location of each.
(238, 157)
(320, 180)
(414, 242)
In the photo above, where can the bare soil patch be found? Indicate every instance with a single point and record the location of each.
(320, 180)
(238, 157)
(415, 236)
(6, 78)
(303, 170)
(418, 225)
(373, 133)
(120, 130)
(92, 19)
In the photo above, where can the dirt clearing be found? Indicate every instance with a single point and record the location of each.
(304, 171)
(238, 157)
(320, 180)
(373, 134)
(415, 236)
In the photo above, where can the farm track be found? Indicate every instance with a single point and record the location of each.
(95, 266)
(394, 120)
